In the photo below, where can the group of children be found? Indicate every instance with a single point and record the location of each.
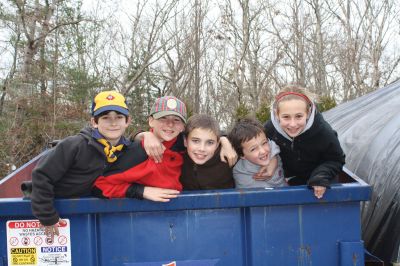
(296, 147)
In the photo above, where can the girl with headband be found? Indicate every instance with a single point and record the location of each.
(310, 150)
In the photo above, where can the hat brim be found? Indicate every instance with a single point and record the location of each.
(115, 108)
(165, 113)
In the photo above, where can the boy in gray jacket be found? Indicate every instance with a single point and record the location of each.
(256, 151)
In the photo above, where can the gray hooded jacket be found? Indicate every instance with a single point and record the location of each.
(244, 170)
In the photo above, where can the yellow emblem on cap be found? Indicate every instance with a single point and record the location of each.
(171, 103)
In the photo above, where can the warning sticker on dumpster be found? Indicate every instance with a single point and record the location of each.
(27, 244)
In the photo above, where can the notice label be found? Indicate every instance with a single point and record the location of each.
(28, 245)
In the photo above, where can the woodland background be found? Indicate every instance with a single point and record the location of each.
(224, 58)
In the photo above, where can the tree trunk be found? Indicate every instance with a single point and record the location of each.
(197, 55)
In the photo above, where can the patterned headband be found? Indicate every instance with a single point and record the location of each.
(283, 94)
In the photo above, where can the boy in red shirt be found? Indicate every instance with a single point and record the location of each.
(135, 170)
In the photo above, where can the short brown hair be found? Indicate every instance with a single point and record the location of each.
(244, 130)
(96, 118)
(202, 121)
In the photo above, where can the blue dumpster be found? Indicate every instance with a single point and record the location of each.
(282, 226)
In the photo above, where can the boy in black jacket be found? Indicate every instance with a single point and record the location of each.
(202, 166)
(70, 168)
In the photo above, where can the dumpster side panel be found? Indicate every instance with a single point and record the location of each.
(286, 226)
(194, 235)
(83, 239)
(10, 186)
(273, 235)
(298, 235)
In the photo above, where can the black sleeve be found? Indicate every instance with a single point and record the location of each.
(46, 174)
(135, 191)
(333, 159)
(268, 128)
(134, 134)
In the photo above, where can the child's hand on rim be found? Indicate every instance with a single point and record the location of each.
(159, 194)
(51, 230)
(319, 191)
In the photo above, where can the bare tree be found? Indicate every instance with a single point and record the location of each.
(37, 24)
(197, 29)
(365, 26)
(318, 56)
(14, 41)
(291, 34)
(148, 44)
(220, 57)
(251, 52)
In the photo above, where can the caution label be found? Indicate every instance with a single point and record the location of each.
(23, 251)
(27, 244)
(23, 256)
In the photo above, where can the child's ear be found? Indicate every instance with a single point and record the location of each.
(151, 120)
(93, 122)
(277, 115)
(276, 112)
(309, 111)
(185, 141)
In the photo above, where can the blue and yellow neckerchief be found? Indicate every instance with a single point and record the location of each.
(109, 150)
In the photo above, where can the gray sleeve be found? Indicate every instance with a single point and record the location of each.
(275, 150)
(244, 178)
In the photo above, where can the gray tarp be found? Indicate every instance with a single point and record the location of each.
(369, 132)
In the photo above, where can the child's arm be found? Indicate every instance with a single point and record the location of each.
(122, 182)
(228, 153)
(324, 173)
(155, 149)
(152, 145)
(266, 172)
(134, 191)
(332, 159)
(49, 171)
(107, 187)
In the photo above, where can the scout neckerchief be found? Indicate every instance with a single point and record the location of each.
(109, 150)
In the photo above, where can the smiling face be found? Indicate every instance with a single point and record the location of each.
(167, 127)
(112, 126)
(292, 115)
(201, 145)
(256, 150)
